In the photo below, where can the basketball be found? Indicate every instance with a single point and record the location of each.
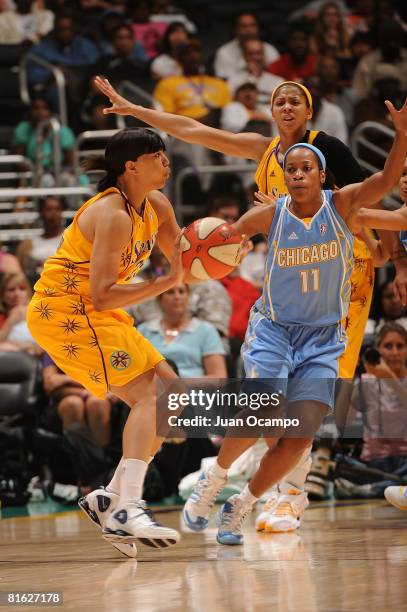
(210, 248)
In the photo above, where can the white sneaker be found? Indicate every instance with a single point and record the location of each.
(98, 506)
(133, 521)
(397, 496)
(198, 506)
(288, 512)
(231, 517)
(268, 509)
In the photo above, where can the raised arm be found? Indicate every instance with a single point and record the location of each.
(246, 145)
(383, 219)
(105, 259)
(349, 199)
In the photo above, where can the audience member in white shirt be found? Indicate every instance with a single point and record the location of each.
(326, 117)
(166, 64)
(229, 58)
(254, 71)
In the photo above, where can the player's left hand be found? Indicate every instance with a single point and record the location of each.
(382, 370)
(263, 199)
(399, 118)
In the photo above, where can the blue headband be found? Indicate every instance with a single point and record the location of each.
(318, 153)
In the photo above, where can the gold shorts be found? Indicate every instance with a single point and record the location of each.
(96, 349)
(361, 297)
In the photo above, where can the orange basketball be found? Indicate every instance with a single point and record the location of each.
(211, 248)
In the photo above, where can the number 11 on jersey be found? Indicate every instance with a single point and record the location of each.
(310, 280)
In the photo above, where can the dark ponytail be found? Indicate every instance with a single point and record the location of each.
(126, 145)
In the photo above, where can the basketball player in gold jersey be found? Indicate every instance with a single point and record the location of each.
(75, 315)
(291, 106)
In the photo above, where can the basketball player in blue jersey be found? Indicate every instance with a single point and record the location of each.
(295, 330)
(291, 105)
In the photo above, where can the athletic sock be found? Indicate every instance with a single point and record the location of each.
(217, 471)
(114, 484)
(133, 474)
(247, 496)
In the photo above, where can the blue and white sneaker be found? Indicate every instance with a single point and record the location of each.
(98, 506)
(134, 521)
(198, 506)
(230, 519)
(396, 496)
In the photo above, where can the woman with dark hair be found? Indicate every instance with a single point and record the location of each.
(166, 64)
(330, 35)
(381, 397)
(76, 316)
(291, 107)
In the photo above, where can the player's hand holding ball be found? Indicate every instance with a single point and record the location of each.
(176, 272)
(212, 248)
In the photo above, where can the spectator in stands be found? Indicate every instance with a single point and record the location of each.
(25, 142)
(166, 64)
(381, 397)
(326, 117)
(194, 345)
(360, 45)
(388, 309)
(71, 53)
(162, 11)
(310, 10)
(125, 63)
(362, 17)
(245, 113)
(229, 58)
(386, 85)
(33, 253)
(193, 94)
(255, 72)
(28, 22)
(71, 403)
(330, 35)
(208, 300)
(9, 263)
(390, 52)
(298, 62)
(92, 115)
(333, 89)
(15, 293)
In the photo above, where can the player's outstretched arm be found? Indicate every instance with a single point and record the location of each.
(351, 198)
(255, 221)
(246, 145)
(383, 219)
(108, 245)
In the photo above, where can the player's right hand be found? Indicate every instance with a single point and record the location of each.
(177, 271)
(263, 199)
(120, 106)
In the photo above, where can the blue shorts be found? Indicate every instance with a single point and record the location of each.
(302, 359)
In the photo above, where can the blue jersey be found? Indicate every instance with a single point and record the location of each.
(403, 239)
(308, 267)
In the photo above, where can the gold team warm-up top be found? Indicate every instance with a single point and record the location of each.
(95, 348)
(270, 179)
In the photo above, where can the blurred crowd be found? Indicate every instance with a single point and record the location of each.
(61, 441)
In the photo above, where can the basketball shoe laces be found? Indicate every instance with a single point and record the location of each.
(234, 520)
(144, 510)
(284, 509)
(207, 491)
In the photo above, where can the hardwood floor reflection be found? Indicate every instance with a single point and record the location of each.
(346, 557)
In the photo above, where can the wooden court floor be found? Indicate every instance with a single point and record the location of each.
(346, 557)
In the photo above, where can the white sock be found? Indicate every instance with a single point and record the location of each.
(114, 484)
(133, 474)
(217, 471)
(247, 496)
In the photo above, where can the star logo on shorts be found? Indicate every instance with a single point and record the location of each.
(120, 360)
